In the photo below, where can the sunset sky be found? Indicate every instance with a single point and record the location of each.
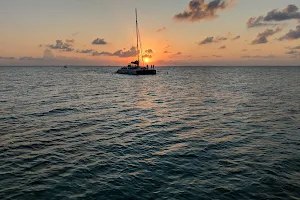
(173, 32)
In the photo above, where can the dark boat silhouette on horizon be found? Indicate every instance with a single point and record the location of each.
(134, 67)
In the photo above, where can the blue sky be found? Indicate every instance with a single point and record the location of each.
(31, 27)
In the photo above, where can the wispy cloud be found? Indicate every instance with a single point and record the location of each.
(176, 54)
(259, 57)
(75, 34)
(212, 39)
(85, 51)
(49, 59)
(294, 48)
(161, 29)
(47, 54)
(7, 58)
(236, 37)
(200, 10)
(70, 41)
(103, 53)
(293, 53)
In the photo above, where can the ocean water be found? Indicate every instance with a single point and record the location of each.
(186, 133)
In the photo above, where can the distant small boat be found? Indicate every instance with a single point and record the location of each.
(134, 67)
(65, 66)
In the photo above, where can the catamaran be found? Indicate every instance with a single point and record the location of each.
(134, 67)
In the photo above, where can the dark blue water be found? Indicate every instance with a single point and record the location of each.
(186, 133)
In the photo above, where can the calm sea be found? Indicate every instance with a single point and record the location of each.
(186, 133)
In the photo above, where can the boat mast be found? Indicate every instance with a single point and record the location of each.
(137, 37)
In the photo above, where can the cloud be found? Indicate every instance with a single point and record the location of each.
(292, 34)
(75, 34)
(216, 56)
(85, 51)
(294, 53)
(291, 52)
(147, 56)
(48, 54)
(120, 53)
(207, 41)
(124, 54)
(166, 52)
(29, 58)
(259, 57)
(99, 41)
(200, 10)
(149, 51)
(212, 39)
(258, 22)
(244, 50)
(60, 45)
(220, 39)
(161, 29)
(289, 13)
(294, 48)
(7, 58)
(223, 47)
(262, 38)
(70, 41)
(176, 54)
(103, 53)
(236, 38)
(48, 59)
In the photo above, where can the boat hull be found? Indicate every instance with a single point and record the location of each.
(137, 71)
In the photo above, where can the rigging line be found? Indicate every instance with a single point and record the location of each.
(137, 34)
(141, 48)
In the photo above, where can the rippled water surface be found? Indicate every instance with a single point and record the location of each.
(186, 133)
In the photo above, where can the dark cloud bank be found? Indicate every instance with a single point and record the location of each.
(120, 53)
(275, 15)
(292, 34)
(262, 38)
